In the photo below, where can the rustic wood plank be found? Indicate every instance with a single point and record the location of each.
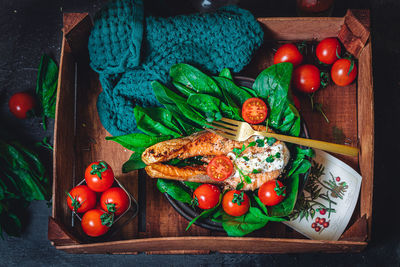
(355, 31)
(366, 131)
(293, 29)
(357, 232)
(170, 252)
(63, 131)
(58, 234)
(91, 144)
(161, 218)
(77, 34)
(71, 20)
(221, 244)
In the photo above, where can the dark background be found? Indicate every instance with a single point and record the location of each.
(29, 28)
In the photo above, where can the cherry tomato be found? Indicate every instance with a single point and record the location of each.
(325, 224)
(338, 179)
(288, 53)
(317, 219)
(307, 78)
(81, 199)
(322, 221)
(313, 225)
(220, 168)
(322, 211)
(207, 196)
(99, 176)
(340, 72)
(20, 103)
(92, 223)
(327, 50)
(317, 229)
(272, 193)
(235, 203)
(114, 200)
(254, 110)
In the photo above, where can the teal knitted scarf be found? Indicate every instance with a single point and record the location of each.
(130, 51)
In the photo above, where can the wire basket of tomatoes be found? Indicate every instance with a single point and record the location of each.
(101, 203)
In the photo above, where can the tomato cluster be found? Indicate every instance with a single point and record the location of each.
(308, 78)
(98, 217)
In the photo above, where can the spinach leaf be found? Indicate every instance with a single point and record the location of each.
(135, 140)
(235, 92)
(242, 225)
(226, 73)
(156, 121)
(206, 213)
(193, 79)
(192, 185)
(135, 161)
(265, 210)
(177, 103)
(46, 87)
(292, 185)
(249, 90)
(174, 189)
(273, 85)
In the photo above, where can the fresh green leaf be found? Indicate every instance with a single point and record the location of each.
(271, 141)
(174, 189)
(46, 86)
(210, 106)
(191, 185)
(156, 121)
(260, 142)
(238, 95)
(239, 226)
(205, 213)
(135, 161)
(135, 140)
(226, 73)
(193, 79)
(273, 84)
(177, 103)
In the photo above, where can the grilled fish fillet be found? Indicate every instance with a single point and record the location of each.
(209, 145)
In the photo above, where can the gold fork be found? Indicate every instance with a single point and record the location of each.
(241, 131)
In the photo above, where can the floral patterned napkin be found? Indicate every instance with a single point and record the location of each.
(324, 209)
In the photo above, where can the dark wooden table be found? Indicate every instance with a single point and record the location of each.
(29, 28)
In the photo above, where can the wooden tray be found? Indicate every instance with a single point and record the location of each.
(79, 139)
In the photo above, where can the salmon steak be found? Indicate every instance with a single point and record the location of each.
(261, 162)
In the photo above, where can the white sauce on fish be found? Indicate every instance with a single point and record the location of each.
(247, 162)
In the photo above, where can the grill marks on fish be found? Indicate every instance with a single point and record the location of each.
(207, 145)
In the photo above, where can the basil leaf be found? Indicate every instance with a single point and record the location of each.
(135, 140)
(46, 87)
(174, 189)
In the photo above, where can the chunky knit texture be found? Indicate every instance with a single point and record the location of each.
(226, 38)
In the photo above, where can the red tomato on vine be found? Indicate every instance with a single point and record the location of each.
(99, 176)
